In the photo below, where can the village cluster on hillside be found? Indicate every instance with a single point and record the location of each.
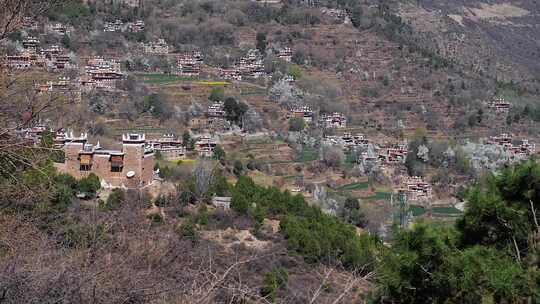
(265, 90)
(269, 151)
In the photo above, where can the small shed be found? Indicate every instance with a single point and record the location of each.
(223, 202)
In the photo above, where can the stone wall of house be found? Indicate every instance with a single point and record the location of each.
(72, 163)
(134, 159)
(147, 174)
(102, 167)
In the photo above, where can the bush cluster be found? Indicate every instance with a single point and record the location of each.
(316, 236)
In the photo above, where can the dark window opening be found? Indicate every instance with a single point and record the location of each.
(117, 163)
(116, 167)
(85, 167)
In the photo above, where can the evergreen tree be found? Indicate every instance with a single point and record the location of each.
(261, 43)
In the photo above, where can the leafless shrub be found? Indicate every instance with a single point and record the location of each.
(203, 176)
(332, 156)
(13, 13)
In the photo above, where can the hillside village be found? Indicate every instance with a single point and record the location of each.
(182, 105)
(326, 128)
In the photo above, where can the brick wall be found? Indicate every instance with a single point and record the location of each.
(133, 156)
(147, 174)
(134, 159)
(71, 163)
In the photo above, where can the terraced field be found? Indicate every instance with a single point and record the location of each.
(355, 186)
(449, 211)
(157, 79)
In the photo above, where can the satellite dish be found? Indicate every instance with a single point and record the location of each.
(130, 174)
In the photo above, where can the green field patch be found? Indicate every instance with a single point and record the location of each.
(253, 92)
(162, 78)
(186, 161)
(350, 158)
(379, 195)
(354, 186)
(446, 211)
(307, 155)
(417, 210)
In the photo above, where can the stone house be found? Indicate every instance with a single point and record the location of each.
(417, 189)
(222, 202)
(101, 74)
(56, 58)
(368, 158)
(64, 86)
(159, 47)
(217, 109)
(58, 28)
(514, 150)
(33, 135)
(337, 14)
(205, 146)
(30, 43)
(52, 51)
(25, 60)
(132, 167)
(285, 54)
(60, 62)
(30, 23)
(170, 147)
(522, 151)
(230, 74)
(131, 3)
(334, 120)
(172, 153)
(115, 26)
(503, 140)
(288, 79)
(251, 65)
(189, 64)
(499, 105)
(395, 154)
(349, 140)
(136, 27)
(303, 112)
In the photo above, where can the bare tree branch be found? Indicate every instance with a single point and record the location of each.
(13, 13)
